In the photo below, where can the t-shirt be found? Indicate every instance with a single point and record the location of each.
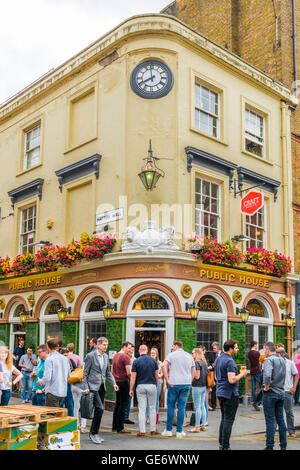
(119, 363)
(7, 377)
(253, 357)
(39, 375)
(291, 370)
(27, 362)
(181, 364)
(145, 367)
(297, 362)
(202, 381)
(18, 352)
(76, 359)
(223, 365)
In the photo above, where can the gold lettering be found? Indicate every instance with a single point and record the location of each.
(267, 284)
(202, 272)
(261, 283)
(232, 277)
(210, 274)
(242, 278)
(216, 275)
(29, 284)
(255, 282)
(223, 278)
(249, 280)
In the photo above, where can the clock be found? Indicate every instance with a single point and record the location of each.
(151, 79)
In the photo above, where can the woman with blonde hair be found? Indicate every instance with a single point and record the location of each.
(6, 371)
(199, 390)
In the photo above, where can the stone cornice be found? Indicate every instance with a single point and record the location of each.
(154, 23)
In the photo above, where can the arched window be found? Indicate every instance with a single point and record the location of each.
(211, 323)
(17, 311)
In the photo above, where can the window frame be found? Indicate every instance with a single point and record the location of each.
(26, 233)
(219, 201)
(264, 228)
(247, 104)
(207, 112)
(37, 125)
(254, 137)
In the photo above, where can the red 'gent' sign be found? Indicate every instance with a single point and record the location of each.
(252, 202)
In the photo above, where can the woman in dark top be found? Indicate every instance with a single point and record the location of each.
(199, 390)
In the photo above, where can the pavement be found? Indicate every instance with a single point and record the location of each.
(248, 433)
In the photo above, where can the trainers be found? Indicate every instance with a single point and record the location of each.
(167, 433)
(128, 421)
(95, 438)
(23, 402)
(256, 407)
(179, 435)
(84, 430)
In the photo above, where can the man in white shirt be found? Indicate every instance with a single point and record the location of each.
(291, 381)
(179, 371)
(56, 374)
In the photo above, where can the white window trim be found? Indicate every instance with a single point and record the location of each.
(248, 108)
(87, 317)
(204, 111)
(221, 317)
(22, 210)
(259, 321)
(25, 160)
(219, 215)
(264, 227)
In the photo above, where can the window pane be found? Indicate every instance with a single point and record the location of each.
(209, 332)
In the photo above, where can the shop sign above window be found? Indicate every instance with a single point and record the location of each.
(209, 304)
(96, 304)
(151, 302)
(257, 309)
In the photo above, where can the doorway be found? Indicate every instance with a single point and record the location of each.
(152, 339)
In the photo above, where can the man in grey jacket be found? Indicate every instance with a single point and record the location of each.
(274, 373)
(96, 370)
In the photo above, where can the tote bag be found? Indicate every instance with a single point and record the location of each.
(87, 406)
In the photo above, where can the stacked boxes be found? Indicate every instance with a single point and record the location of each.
(59, 434)
(19, 437)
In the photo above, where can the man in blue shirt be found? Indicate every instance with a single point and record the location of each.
(144, 372)
(227, 378)
(38, 391)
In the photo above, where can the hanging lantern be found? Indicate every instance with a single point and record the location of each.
(150, 174)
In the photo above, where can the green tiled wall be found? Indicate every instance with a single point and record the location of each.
(280, 335)
(237, 331)
(71, 334)
(4, 334)
(186, 331)
(32, 336)
(116, 335)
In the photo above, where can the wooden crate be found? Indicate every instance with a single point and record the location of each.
(11, 416)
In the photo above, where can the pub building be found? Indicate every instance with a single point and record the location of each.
(76, 139)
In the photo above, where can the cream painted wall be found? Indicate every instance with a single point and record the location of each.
(121, 124)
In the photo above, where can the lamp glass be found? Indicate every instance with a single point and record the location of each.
(289, 321)
(23, 317)
(107, 311)
(194, 312)
(61, 315)
(244, 316)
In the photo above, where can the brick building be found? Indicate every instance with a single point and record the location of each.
(266, 33)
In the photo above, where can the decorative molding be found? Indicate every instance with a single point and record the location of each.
(186, 291)
(26, 191)
(250, 177)
(207, 160)
(237, 297)
(79, 169)
(139, 25)
(116, 291)
(70, 295)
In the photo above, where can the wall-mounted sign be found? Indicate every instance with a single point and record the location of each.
(151, 302)
(252, 202)
(256, 308)
(109, 216)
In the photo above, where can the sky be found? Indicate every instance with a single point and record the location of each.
(38, 35)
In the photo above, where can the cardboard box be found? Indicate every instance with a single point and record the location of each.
(75, 446)
(19, 433)
(27, 444)
(56, 425)
(59, 440)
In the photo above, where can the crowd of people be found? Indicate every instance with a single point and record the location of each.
(206, 376)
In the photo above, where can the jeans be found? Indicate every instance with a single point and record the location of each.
(26, 381)
(288, 407)
(5, 397)
(297, 394)
(127, 412)
(68, 401)
(256, 378)
(180, 394)
(229, 408)
(38, 399)
(99, 408)
(146, 395)
(122, 397)
(159, 386)
(273, 404)
(199, 399)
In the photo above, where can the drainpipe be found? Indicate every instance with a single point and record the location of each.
(289, 336)
(294, 49)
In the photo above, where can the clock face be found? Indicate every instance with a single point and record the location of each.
(151, 79)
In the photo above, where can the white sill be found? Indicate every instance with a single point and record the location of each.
(261, 159)
(215, 139)
(29, 169)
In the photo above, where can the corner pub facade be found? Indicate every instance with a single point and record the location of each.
(85, 104)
